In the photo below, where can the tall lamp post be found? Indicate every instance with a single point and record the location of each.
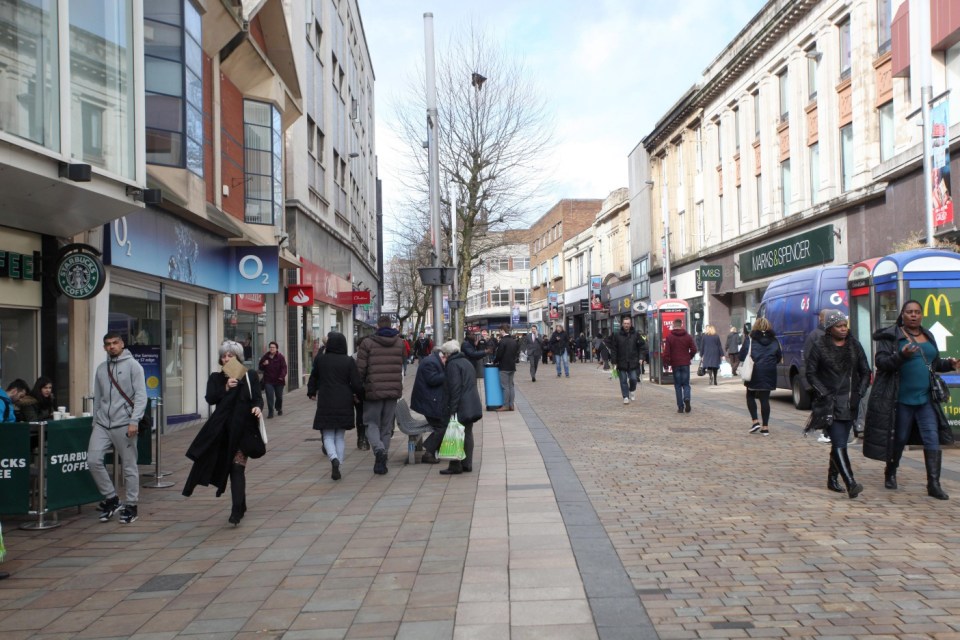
(434, 173)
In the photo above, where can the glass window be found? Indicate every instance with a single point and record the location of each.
(29, 102)
(785, 187)
(534, 275)
(756, 115)
(101, 53)
(813, 63)
(699, 149)
(740, 204)
(846, 158)
(498, 264)
(18, 340)
(736, 129)
(521, 263)
(520, 296)
(886, 131)
(884, 20)
(783, 79)
(500, 297)
(758, 187)
(262, 167)
(814, 151)
(556, 266)
(845, 49)
(719, 146)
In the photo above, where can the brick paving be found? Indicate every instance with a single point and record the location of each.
(718, 534)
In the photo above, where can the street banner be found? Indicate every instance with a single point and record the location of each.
(149, 358)
(15, 468)
(69, 482)
(596, 285)
(553, 299)
(515, 315)
(942, 200)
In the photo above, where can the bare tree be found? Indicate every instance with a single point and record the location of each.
(403, 285)
(494, 135)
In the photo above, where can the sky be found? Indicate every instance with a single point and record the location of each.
(608, 69)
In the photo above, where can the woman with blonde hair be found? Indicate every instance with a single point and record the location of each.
(712, 353)
(764, 349)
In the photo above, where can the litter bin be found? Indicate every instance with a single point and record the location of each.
(491, 385)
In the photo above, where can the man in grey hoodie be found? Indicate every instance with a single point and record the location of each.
(119, 401)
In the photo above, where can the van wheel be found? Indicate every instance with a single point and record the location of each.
(801, 399)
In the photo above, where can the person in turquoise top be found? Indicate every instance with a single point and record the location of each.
(901, 410)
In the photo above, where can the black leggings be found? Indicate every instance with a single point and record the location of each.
(764, 397)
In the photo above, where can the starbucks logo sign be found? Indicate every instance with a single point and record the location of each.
(80, 273)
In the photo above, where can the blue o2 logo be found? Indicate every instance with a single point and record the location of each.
(251, 268)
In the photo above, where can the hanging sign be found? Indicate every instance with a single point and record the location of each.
(940, 162)
(79, 274)
(300, 295)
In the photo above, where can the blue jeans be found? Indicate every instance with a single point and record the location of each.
(333, 440)
(681, 384)
(274, 398)
(926, 420)
(628, 382)
(839, 433)
(565, 359)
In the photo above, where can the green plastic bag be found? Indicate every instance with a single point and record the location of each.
(452, 446)
(614, 374)
(3, 549)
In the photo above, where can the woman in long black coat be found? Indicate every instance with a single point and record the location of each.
(901, 410)
(712, 353)
(463, 401)
(764, 348)
(230, 436)
(334, 382)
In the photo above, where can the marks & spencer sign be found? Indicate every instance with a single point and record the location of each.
(807, 249)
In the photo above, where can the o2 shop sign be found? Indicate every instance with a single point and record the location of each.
(256, 270)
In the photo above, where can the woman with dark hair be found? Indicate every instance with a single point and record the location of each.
(901, 409)
(764, 348)
(40, 403)
(334, 382)
(838, 373)
(222, 446)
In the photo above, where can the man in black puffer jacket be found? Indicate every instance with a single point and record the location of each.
(627, 350)
(508, 350)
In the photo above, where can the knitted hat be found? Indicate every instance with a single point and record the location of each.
(834, 318)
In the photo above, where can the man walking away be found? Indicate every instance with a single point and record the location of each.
(628, 349)
(533, 349)
(678, 353)
(380, 362)
(559, 342)
(274, 368)
(733, 348)
(508, 349)
(119, 401)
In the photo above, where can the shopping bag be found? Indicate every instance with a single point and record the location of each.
(452, 446)
(746, 367)
(3, 549)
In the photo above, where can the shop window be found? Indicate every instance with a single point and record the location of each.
(262, 145)
(18, 345)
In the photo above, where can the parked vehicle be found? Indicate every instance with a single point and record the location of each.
(792, 304)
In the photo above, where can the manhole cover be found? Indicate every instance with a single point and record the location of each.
(168, 582)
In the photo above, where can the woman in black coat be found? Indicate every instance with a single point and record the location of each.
(463, 400)
(429, 397)
(335, 382)
(712, 354)
(230, 436)
(901, 410)
(764, 348)
(839, 375)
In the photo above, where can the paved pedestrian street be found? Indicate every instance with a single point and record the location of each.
(583, 518)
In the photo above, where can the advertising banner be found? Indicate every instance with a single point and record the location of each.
(515, 315)
(326, 286)
(149, 358)
(942, 200)
(596, 286)
(14, 468)
(938, 317)
(69, 482)
(554, 303)
(808, 249)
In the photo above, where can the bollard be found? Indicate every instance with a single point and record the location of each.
(41, 522)
(158, 418)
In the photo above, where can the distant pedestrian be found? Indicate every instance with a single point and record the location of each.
(429, 397)
(764, 348)
(474, 352)
(533, 347)
(603, 350)
(712, 354)
(733, 348)
(559, 343)
(334, 382)
(838, 374)
(422, 347)
(379, 360)
(814, 336)
(678, 353)
(219, 450)
(463, 400)
(545, 349)
(628, 350)
(901, 409)
(508, 350)
(583, 348)
(274, 368)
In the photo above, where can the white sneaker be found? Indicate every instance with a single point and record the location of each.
(626, 401)
(824, 439)
(633, 395)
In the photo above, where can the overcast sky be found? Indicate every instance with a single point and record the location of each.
(609, 70)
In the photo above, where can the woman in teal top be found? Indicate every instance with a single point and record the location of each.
(901, 409)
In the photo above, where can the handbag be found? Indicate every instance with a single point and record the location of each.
(253, 442)
(746, 367)
(939, 391)
(701, 371)
(452, 446)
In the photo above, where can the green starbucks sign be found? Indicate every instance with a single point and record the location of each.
(807, 249)
(80, 274)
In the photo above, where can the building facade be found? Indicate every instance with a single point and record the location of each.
(500, 287)
(798, 147)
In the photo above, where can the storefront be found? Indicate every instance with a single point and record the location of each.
(329, 311)
(167, 281)
(20, 303)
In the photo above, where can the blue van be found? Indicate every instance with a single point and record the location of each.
(792, 304)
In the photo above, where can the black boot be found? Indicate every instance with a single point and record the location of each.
(890, 471)
(932, 459)
(833, 477)
(238, 493)
(453, 468)
(842, 460)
